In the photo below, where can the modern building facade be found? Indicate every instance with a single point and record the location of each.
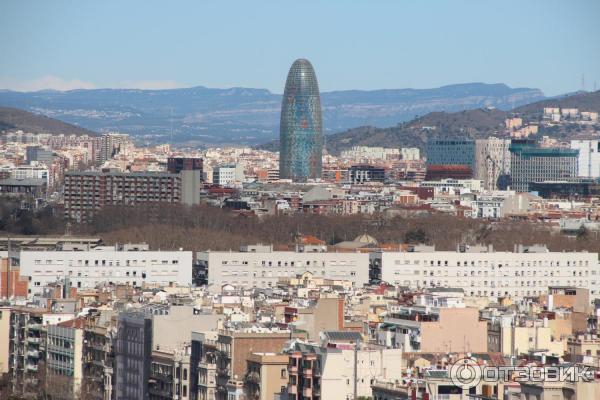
(301, 127)
(133, 355)
(458, 151)
(260, 266)
(492, 162)
(366, 173)
(530, 163)
(480, 271)
(120, 265)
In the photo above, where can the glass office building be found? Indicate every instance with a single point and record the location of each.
(301, 128)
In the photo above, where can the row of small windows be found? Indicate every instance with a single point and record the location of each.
(289, 263)
(558, 272)
(480, 263)
(103, 263)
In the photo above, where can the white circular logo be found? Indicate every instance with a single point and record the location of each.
(465, 373)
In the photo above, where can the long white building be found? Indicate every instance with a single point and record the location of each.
(528, 271)
(260, 266)
(86, 268)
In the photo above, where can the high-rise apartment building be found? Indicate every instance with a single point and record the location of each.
(492, 162)
(133, 353)
(530, 163)
(301, 128)
(88, 192)
(112, 144)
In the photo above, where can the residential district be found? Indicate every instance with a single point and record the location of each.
(314, 318)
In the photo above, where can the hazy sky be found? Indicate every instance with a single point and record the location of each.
(352, 44)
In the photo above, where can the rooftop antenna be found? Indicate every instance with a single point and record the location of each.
(583, 82)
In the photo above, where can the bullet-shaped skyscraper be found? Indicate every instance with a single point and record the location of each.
(301, 128)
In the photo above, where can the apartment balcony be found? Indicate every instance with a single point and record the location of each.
(307, 392)
(253, 377)
(293, 389)
(308, 373)
(292, 369)
(31, 367)
(34, 327)
(33, 339)
(33, 354)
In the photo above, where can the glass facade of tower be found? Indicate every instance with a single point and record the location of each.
(301, 128)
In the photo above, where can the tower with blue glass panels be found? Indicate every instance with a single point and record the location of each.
(301, 127)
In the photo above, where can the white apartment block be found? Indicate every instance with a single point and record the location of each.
(588, 161)
(86, 268)
(410, 153)
(358, 153)
(483, 272)
(260, 266)
(225, 175)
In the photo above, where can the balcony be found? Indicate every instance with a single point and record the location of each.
(33, 339)
(33, 354)
(307, 392)
(31, 367)
(253, 377)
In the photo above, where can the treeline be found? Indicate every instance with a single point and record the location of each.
(206, 227)
(17, 220)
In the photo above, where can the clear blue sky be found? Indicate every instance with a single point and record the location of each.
(352, 44)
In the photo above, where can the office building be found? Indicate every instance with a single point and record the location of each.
(86, 268)
(480, 271)
(301, 128)
(451, 152)
(260, 266)
(588, 160)
(366, 173)
(530, 163)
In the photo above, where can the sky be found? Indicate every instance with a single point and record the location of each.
(352, 44)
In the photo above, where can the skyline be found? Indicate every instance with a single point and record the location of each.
(151, 45)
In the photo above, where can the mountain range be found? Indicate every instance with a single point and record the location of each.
(204, 116)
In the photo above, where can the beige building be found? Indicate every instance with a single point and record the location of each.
(458, 329)
(266, 375)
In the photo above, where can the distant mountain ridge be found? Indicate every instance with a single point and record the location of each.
(476, 123)
(201, 115)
